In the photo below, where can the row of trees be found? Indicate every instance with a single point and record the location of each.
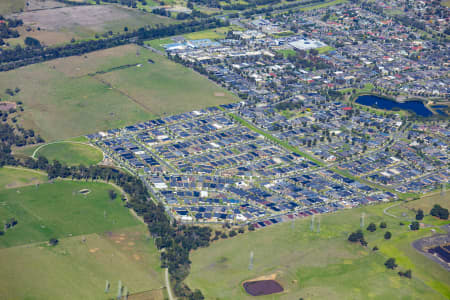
(21, 56)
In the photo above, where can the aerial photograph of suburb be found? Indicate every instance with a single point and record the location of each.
(224, 149)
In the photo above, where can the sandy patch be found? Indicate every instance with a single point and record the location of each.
(93, 250)
(218, 94)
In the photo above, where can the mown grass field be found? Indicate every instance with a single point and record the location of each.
(71, 154)
(99, 240)
(61, 100)
(323, 265)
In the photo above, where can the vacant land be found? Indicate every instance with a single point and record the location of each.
(60, 210)
(164, 87)
(321, 265)
(15, 178)
(62, 101)
(78, 267)
(58, 25)
(10, 6)
(99, 240)
(71, 153)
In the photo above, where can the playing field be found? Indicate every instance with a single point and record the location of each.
(62, 101)
(322, 265)
(99, 240)
(71, 153)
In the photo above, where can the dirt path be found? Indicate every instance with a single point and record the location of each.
(169, 290)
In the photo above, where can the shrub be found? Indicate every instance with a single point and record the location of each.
(387, 235)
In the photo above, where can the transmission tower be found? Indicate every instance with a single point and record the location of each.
(107, 286)
(443, 190)
(119, 290)
(362, 220)
(312, 223)
(250, 265)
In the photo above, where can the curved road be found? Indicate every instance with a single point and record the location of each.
(59, 142)
(169, 290)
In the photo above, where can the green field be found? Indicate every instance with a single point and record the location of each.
(78, 270)
(13, 178)
(323, 265)
(59, 210)
(71, 153)
(9, 6)
(99, 240)
(61, 100)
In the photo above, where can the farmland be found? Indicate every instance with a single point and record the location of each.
(59, 25)
(8, 6)
(60, 210)
(61, 100)
(71, 153)
(13, 178)
(99, 240)
(321, 265)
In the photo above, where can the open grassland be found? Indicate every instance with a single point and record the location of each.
(408, 210)
(61, 100)
(164, 87)
(58, 25)
(71, 153)
(322, 265)
(77, 269)
(13, 178)
(10, 6)
(59, 210)
(99, 240)
(213, 34)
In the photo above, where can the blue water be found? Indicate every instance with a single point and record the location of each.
(377, 102)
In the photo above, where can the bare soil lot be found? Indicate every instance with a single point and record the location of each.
(53, 24)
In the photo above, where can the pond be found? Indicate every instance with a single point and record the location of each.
(262, 287)
(378, 102)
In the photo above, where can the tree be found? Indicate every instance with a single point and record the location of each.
(390, 263)
(372, 227)
(415, 225)
(419, 215)
(112, 194)
(125, 29)
(383, 225)
(375, 248)
(251, 227)
(32, 42)
(241, 230)
(387, 235)
(232, 233)
(53, 242)
(440, 212)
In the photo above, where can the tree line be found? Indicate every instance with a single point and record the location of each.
(22, 56)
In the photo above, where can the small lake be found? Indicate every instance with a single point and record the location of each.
(382, 103)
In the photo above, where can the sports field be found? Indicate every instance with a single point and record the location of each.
(321, 265)
(61, 100)
(71, 153)
(99, 240)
